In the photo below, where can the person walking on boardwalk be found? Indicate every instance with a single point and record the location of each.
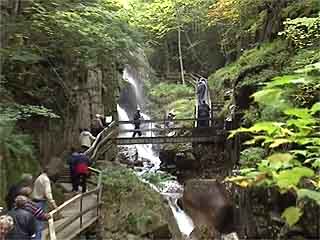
(86, 139)
(72, 161)
(81, 163)
(25, 181)
(42, 195)
(6, 225)
(24, 222)
(97, 125)
(137, 121)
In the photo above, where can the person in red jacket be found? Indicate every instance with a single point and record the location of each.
(82, 171)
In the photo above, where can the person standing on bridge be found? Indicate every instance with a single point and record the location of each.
(202, 89)
(137, 121)
(203, 114)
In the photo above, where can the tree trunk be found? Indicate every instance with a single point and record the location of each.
(167, 57)
(180, 55)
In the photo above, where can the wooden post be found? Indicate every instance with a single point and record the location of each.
(81, 198)
(52, 232)
(212, 122)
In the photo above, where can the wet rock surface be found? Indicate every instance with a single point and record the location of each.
(129, 155)
(210, 207)
(133, 210)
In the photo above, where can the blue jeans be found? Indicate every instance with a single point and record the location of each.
(40, 224)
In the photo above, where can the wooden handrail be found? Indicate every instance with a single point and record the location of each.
(96, 191)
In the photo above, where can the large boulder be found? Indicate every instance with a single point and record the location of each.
(210, 207)
(133, 210)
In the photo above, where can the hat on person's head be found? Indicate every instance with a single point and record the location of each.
(98, 115)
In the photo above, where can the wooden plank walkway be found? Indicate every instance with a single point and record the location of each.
(69, 215)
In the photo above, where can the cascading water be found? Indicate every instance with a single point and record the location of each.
(173, 189)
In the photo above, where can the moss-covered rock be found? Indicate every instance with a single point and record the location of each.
(132, 210)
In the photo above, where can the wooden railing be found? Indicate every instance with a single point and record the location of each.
(102, 139)
(94, 193)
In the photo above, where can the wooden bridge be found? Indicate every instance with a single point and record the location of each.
(154, 132)
(83, 210)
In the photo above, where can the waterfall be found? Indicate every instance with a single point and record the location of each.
(152, 163)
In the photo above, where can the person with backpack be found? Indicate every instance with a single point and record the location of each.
(72, 161)
(81, 164)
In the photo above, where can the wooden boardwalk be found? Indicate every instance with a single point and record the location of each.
(76, 214)
(68, 214)
(83, 210)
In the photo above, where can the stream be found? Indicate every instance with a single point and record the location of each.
(172, 190)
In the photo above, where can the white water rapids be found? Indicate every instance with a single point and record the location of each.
(151, 161)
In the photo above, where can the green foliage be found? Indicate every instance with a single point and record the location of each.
(302, 32)
(169, 91)
(292, 215)
(160, 17)
(158, 178)
(16, 156)
(15, 112)
(271, 56)
(250, 156)
(120, 180)
(243, 22)
(292, 142)
(172, 97)
(91, 30)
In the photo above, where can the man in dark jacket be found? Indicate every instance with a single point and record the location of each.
(24, 223)
(203, 114)
(137, 120)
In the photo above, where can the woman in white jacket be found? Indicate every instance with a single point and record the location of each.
(86, 139)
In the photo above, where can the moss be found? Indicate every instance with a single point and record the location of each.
(273, 55)
(167, 92)
(131, 206)
(302, 58)
(301, 9)
(167, 97)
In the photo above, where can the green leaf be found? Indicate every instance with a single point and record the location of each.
(290, 178)
(279, 141)
(268, 96)
(269, 127)
(292, 215)
(284, 80)
(279, 160)
(298, 112)
(314, 195)
(315, 108)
